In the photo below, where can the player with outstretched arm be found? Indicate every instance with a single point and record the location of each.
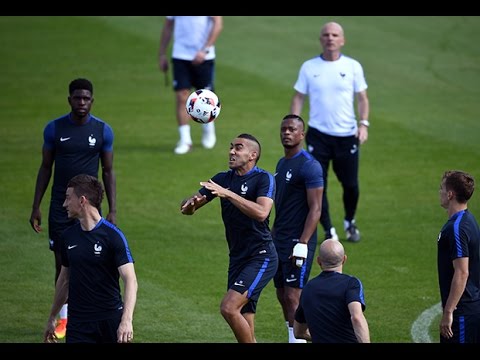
(246, 194)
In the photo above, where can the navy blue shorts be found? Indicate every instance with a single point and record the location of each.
(93, 332)
(253, 276)
(54, 232)
(288, 273)
(466, 330)
(187, 76)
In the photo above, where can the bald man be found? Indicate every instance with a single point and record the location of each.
(332, 304)
(334, 82)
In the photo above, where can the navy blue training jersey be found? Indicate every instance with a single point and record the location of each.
(324, 307)
(77, 151)
(93, 258)
(244, 235)
(460, 237)
(293, 177)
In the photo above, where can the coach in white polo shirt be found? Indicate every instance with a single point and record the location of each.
(333, 82)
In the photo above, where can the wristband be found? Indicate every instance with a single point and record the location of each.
(364, 123)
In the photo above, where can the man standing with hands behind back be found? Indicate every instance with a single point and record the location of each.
(332, 81)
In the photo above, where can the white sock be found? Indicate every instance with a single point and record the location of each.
(64, 311)
(209, 128)
(347, 223)
(291, 337)
(184, 131)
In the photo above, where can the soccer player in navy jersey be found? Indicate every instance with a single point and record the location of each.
(76, 143)
(458, 261)
(246, 195)
(298, 203)
(95, 254)
(332, 304)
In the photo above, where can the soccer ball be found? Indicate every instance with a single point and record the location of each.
(203, 106)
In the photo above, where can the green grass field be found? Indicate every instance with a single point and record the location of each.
(423, 75)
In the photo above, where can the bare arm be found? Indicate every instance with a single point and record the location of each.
(300, 330)
(212, 38)
(125, 329)
(216, 30)
(110, 182)
(43, 178)
(164, 41)
(359, 323)
(363, 113)
(314, 199)
(457, 288)
(258, 210)
(297, 103)
(60, 297)
(363, 105)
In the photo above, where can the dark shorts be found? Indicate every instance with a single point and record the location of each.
(466, 330)
(55, 230)
(342, 151)
(289, 274)
(253, 276)
(187, 76)
(94, 332)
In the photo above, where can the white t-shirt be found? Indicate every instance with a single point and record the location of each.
(331, 88)
(190, 34)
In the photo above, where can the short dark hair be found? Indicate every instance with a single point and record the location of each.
(254, 139)
(88, 186)
(293, 116)
(80, 84)
(461, 183)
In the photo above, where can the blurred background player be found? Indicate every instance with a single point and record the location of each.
(298, 204)
(76, 143)
(193, 60)
(332, 82)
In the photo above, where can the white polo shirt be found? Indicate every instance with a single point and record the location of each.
(190, 34)
(331, 88)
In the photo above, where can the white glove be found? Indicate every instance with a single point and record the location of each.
(300, 252)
